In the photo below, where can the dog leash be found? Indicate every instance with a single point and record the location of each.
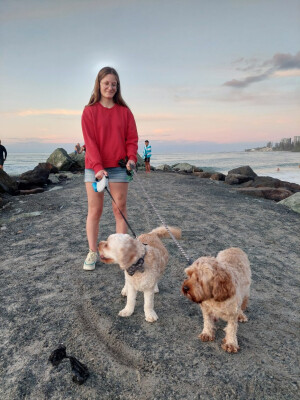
(121, 213)
(189, 260)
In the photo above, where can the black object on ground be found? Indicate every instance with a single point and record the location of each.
(81, 372)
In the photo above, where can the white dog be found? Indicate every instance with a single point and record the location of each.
(221, 286)
(143, 260)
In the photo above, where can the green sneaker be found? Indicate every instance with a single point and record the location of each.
(90, 261)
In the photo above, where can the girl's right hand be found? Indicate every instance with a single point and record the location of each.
(99, 175)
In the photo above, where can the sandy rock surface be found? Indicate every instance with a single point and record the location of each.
(47, 298)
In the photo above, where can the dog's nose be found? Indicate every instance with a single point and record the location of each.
(185, 289)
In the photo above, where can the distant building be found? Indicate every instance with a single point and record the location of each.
(286, 141)
(296, 139)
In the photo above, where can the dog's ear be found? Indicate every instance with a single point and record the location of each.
(223, 287)
(189, 271)
(128, 253)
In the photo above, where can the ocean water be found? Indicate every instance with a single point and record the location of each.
(280, 164)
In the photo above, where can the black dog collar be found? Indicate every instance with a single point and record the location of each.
(138, 266)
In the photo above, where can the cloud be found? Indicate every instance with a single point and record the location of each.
(29, 113)
(247, 81)
(157, 117)
(272, 67)
(282, 61)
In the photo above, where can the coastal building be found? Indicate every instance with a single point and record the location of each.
(286, 141)
(296, 139)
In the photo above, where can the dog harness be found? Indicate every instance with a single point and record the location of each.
(139, 265)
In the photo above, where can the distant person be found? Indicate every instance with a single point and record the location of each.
(147, 155)
(110, 135)
(77, 149)
(82, 149)
(3, 155)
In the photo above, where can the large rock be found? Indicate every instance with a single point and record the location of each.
(140, 163)
(79, 161)
(293, 202)
(183, 167)
(61, 160)
(217, 176)
(203, 174)
(164, 167)
(237, 179)
(275, 194)
(7, 184)
(267, 181)
(37, 177)
(245, 170)
(51, 168)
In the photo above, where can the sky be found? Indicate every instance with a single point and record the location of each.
(198, 75)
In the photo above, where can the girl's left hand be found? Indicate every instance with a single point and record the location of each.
(130, 165)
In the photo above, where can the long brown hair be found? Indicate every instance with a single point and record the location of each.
(96, 95)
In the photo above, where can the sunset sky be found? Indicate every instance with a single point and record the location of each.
(198, 75)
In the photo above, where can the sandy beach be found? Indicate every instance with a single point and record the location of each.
(47, 298)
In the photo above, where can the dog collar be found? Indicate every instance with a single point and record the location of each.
(138, 266)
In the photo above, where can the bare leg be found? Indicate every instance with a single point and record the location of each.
(95, 207)
(150, 314)
(131, 297)
(119, 191)
(230, 342)
(208, 332)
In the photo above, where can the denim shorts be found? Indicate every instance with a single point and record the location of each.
(116, 174)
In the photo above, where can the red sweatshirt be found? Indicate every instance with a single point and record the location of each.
(110, 135)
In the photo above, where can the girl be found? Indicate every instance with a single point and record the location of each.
(110, 135)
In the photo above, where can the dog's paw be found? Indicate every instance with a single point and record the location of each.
(124, 291)
(242, 317)
(125, 312)
(151, 316)
(230, 347)
(204, 337)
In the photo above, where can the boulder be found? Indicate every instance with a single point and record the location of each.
(164, 167)
(267, 181)
(51, 168)
(79, 161)
(140, 163)
(237, 179)
(217, 176)
(245, 170)
(7, 184)
(292, 202)
(203, 174)
(61, 160)
(37, 177)
(269, 193)
(183, 167)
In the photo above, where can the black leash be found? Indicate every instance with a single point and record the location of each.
(121, 213)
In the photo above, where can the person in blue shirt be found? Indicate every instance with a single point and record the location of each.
(147, 155)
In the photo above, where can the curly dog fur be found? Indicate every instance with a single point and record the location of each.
(221, 286)
(122, 249)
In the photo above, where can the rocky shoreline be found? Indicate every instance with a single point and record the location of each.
(61, 166)
(47, 299)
